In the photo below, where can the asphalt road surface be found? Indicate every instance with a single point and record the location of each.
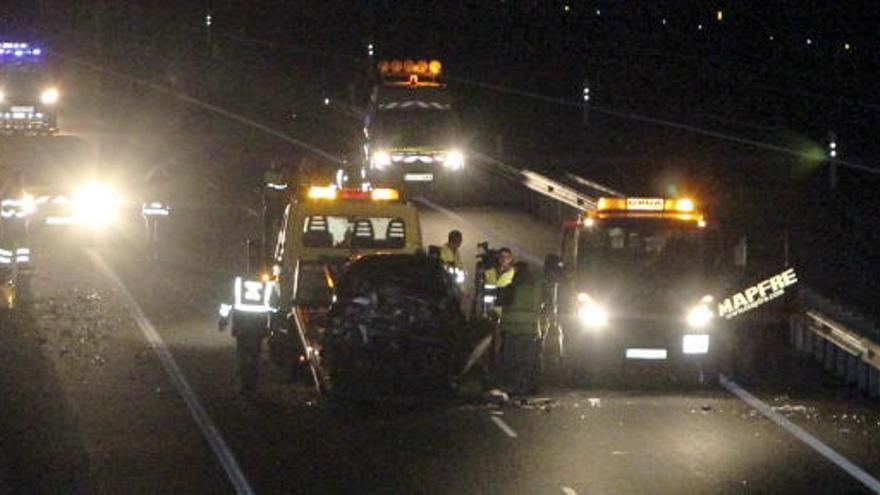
(90, 405)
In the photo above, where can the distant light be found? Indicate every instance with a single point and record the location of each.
(208, 20)
(772, 38)
(326, 101)
(833, 154)
(700, 27)
(663, 21)
(37, 51)
(370, 49)
(832, 145)
(719, 16)
(809, 41)
(19, 53)
(598, 12)
(566, 8)
(586, 94)
(846, 46)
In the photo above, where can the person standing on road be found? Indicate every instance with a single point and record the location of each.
(250, 317)
(497, 281)
(501, 275)
(522, 333)
(155, 208)
(275, 194)
(450, 255)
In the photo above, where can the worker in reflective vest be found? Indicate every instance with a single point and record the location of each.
(450, 255)
(249, 317)
(522, 332)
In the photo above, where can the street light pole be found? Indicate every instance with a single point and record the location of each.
(832, 162)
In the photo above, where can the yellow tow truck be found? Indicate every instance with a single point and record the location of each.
(322, 230)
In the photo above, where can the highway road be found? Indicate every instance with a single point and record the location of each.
(117, 381)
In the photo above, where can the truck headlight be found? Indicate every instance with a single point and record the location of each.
(381, 159)
(699, 316)
(95, 205)
(590, 312)
(28, 204)
(454, 160)
(50, 96)
(695, 343)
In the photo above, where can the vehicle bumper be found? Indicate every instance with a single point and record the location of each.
(645, 344)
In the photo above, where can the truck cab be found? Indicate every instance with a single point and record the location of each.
(640, 288)
(412, 135)
(29, 96)
(324, 229)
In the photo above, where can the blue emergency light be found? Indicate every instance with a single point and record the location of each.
(14, 50)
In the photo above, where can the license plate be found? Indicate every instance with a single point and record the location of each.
(652, 354)
(22, 109)
(418, 177)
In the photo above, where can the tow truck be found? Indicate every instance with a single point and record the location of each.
(323, 228)
(411, 134)
(640, 286)
(29, 97)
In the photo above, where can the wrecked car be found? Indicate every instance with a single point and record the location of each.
(396, 328)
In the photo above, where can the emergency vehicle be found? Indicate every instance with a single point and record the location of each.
(321, 231)
(411, 134)
(29, 97)
(639, 288)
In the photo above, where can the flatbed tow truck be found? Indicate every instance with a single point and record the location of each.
(640, 287)
(322, 230)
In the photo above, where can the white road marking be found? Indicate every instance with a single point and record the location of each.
(458, 218)
(504, 426)
(842, 462)
(198, 412)
(567, 490)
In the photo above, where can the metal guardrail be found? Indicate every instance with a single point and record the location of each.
(841, 350)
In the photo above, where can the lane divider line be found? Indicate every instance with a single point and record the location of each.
(842, 462)
(184, 389)
(504, 426)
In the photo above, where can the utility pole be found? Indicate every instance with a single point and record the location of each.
(586, 102)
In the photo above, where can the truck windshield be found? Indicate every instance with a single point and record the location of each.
(647, 246)
(416, 127)
(22, 81)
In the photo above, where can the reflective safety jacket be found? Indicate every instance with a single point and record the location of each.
(451, 257)
(502, 280)
(522, 314)
(255, 302)
(452, 263)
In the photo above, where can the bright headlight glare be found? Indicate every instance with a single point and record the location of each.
(381, 159)
(28, 204)
(591, 313)
(454, 160)
(699, 316)
(95, 205)
(50, 96)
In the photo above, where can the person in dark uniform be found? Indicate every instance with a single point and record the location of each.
(522, 331)
(276, 191)
(155, 208)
